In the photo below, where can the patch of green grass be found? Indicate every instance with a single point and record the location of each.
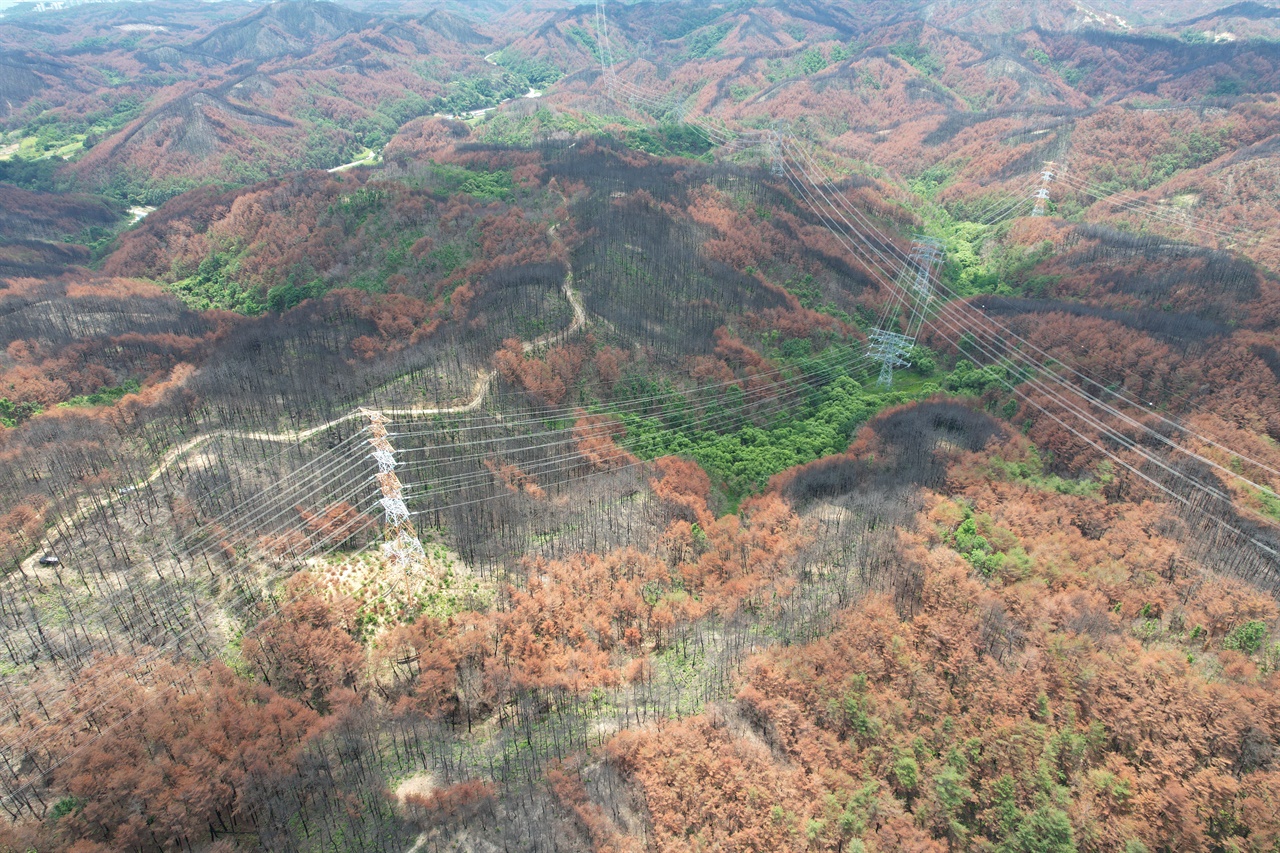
(1030, 471)
(496, 185)
(742, 455)
(1269, 501)
(104, 396)
(918, 57)
(214, 286)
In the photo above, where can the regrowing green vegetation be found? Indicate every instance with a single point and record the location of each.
(55, 135)
(669, 139)
(367, 215)
(811, 61)
(918, 57)
(742, 456)
(1072, 75)
(702, 43)
(480, 92)
(106, 396)
(485, 185)
(214, 285)
(538, 73)
(1031, 471)
(12, 414)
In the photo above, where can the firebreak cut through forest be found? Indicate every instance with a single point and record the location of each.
(773, 426)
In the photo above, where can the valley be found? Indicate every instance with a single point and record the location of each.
(765, 426)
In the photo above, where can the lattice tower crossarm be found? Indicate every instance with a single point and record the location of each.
(915, 281)
(775, 149)
(1042, 193)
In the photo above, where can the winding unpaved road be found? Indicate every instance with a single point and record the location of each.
(478, 393)
(373, 158)
(480, 390)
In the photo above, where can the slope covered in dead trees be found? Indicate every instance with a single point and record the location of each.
(691, 578)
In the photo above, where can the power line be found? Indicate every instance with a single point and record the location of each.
(1120, 439)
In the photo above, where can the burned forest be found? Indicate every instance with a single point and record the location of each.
(654, 426)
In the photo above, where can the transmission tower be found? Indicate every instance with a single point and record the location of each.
(775, 154)
(890, 349)
(680, 110)
(402, 546)
(915, 292)
(925, 254)
(602, 45)
(1042, 194)
(774, 149)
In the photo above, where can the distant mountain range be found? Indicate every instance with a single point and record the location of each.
(175, 93)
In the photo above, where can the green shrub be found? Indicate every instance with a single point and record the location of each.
(1247, 638)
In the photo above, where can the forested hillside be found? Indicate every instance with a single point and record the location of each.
(762, 426)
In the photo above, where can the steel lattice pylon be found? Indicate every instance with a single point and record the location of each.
(926, 252)
(890, 349)
(605, 50)
(915, 294)
(1042, 194)
(402, 546)
(774, 147)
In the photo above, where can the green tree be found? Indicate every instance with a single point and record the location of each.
(1247, 638)
(1045, 830)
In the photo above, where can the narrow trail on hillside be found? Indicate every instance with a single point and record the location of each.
(480, 391)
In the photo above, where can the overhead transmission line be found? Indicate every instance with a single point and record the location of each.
(947, 315)
(963, 328)
(708, 413)
(265, 508)
(899, 300)
(15, 795)
(337, 468)
(231, 527)
(950, 318)
(1143, 207)
(620, 455)
(869, 225)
